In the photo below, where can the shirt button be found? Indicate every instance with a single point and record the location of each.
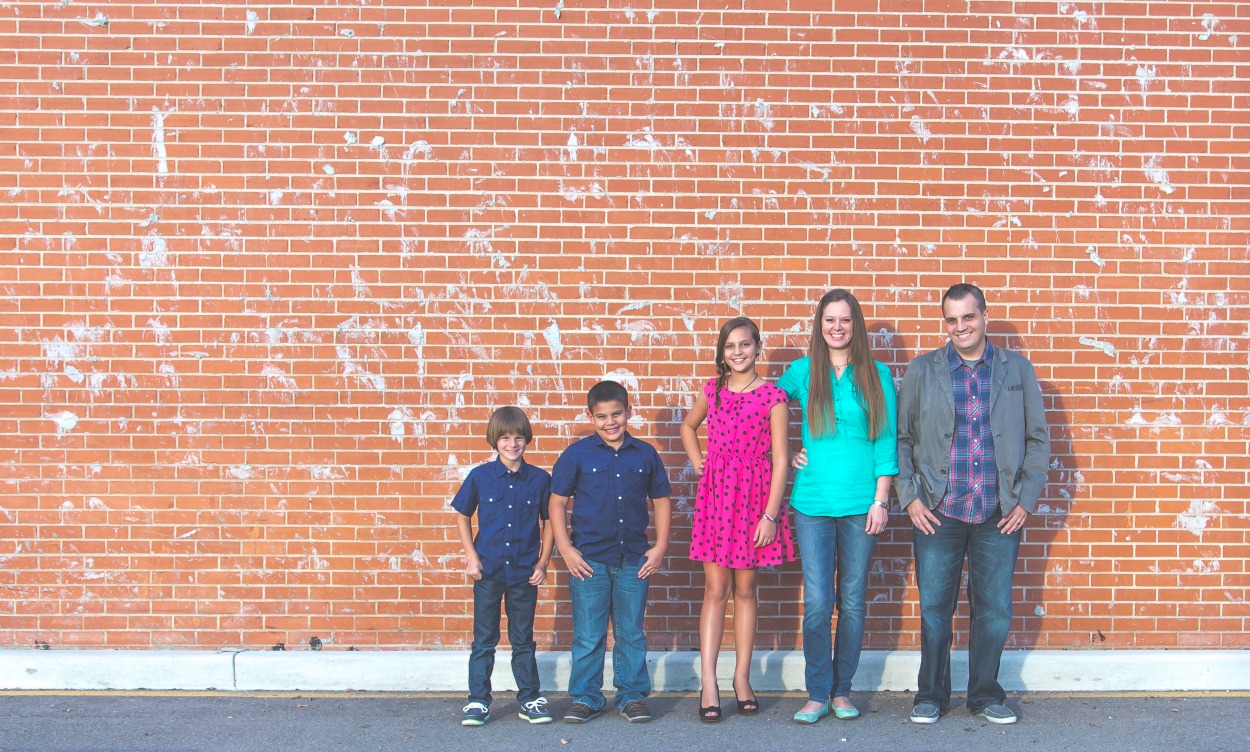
(619, 498)
(509, 524)
(618, 475)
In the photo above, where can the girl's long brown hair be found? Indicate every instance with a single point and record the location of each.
(722, 367)
(820, 418)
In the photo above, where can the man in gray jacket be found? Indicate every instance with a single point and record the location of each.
(973, 452)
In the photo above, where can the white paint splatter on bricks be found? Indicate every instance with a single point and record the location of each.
(1167, 419)
(396, 420)
(160, 330)
(1209, 24)
(155, 252)
(1106, 347)
(64, 420)
(1217, 417)
(1201, 566)
(419, 148)
(643, 140)
(242, 472)
(1145, 77)
(571, 148)
(1157, 175)
(350, 138)
(354, 370)
(559, 9)
(277, 377)
(1093, 256)
(921, 129)
(416, 335)
(158, 142)
(326, 472)
(99, 21)
(479, 241)
(359, 288)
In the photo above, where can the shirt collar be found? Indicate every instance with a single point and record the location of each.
(501, 469)
(598, 440)
(954, 360)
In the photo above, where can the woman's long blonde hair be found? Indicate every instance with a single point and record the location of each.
(820, 418)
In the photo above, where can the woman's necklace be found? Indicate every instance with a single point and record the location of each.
(748, 386)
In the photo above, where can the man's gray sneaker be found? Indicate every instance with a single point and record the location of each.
(996, 713)
(925, 712)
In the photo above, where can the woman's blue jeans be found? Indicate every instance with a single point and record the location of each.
(835, 553)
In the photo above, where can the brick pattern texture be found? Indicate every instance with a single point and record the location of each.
(267, 267)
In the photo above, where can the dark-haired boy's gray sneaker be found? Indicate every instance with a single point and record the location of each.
(925, 712)
(580, 712)
(535, 711)
(998, 713)
(635, 712)
(475, 714)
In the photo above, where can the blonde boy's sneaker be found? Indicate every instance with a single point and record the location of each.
(635, 712)
(535, 711)
(475, 714)
(996, 713)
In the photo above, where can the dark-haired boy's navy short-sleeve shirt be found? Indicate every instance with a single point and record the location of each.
(508, 505)
(610, 488)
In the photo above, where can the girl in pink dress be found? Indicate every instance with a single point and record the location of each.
(738, 522)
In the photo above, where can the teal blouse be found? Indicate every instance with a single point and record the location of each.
(842, 470)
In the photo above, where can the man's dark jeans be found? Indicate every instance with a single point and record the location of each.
(991, 564)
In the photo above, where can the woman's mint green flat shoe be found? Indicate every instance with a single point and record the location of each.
(845, 714)
(809, 718)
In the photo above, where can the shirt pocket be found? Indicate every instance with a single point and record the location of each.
(593, 481)
(636, 480)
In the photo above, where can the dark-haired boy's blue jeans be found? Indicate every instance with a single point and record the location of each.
(991, 564)
(618, 594)
(519, 602)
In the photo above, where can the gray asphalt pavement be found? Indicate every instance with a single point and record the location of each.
(320, 723)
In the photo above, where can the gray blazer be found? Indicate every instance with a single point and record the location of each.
(926, 420)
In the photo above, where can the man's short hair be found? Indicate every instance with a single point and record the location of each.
(606, 391)
(508, 421)
(963, 290)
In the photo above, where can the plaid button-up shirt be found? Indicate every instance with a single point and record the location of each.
(973, 492)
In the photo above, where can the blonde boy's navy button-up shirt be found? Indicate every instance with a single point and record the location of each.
(508, 505)
(610, 488)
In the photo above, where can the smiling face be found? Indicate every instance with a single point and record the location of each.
(511, 447)
(610, 419)
(965, 325)
(741, 350)
(837, 326)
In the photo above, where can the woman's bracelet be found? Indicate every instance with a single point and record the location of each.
(770, 518)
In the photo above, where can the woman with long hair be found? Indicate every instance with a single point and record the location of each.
(840, 496)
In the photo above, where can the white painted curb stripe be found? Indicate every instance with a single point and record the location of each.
(447, 671)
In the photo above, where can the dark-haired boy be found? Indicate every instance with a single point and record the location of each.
(609, 475)
(508, 560)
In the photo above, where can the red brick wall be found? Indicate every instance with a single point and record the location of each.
(266, 270)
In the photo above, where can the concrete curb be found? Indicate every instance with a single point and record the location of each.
(446, 671)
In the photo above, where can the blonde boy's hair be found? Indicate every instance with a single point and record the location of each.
(505, 421)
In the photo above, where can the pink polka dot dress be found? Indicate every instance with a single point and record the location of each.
(737, 473)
